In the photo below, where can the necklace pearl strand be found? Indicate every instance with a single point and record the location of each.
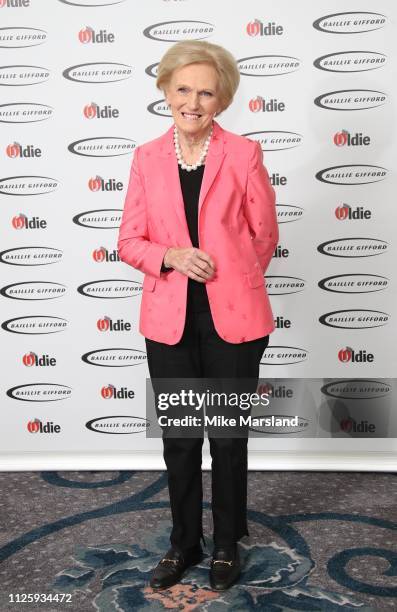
(178, 152)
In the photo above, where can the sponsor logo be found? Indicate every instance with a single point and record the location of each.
(268, 65)
(100, 184)
(356, 388)
(14, 3)
(115, 357)
(260, 105)
(281, 323)
(160, 108)
(353, 214)
(277, 180)
(27, 185)
(355, 319)
(344, 138)
(152, 69)
(111, 392)
(106, 324)
(94, 111)
(357, 174)
(275, 140)
(91, 3)
(111, 288)
(353, 247)
(258, 28)
(351, 99)
(349, 355)
(13, 38)
(17, 150)
(174, 31)
(33, 290)
(280, 252)
(286, 213)
(283, 285)
(32, 359)
(102, 146)
(18, 75)
(350, 61)
(35, 324)
(354, 283)
(103, 255)
(24, 112)
(31, 256)
(21, 221)
(349, 425)
(283, 355)
(281, 426)
(38, 426)
(89, 35)
(103, 218)
(40, 392)
(276, 392)
(122, 424)
(98, 72)
(351, 22)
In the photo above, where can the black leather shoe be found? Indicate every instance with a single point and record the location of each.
(170, 568)
(225, 567)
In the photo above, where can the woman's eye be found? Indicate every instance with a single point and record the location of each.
(207, 93)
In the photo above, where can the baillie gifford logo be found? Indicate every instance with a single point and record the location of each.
(260, 105)
(353, 214)
(258, 28)
(94, 111)
(106, 324)
(31, 359)
(111, 392)
(344, 138)
(100, 255)
(89, 35)
(100, 184)
(38, 426)
(349, 355)
(15, 150)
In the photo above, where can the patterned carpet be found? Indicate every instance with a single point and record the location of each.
(318, 541)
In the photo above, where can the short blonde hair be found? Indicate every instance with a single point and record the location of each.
(199, 51)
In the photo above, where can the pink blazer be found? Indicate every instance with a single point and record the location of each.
(237, 227)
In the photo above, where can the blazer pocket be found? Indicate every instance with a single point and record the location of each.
(149, 283)
(255, 278)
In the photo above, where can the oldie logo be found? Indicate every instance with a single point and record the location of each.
(351, 22)
(102, 218)
(35, 324)
(275, 140)
(33, 290)
(118, 424)
(111, 288)
(350, 61)
(40, 392)
(355, 319)
(94, 111)
(268, 65)
(353, 247)
(174, 31)
(27, 185)
(98, 72)
(258, 28)
(261, 105)
(286, 213)
(283, 285)
(31, 256)
(283, 355)
(102, 146)
(38, 426)
(13, 38)
(357, 174)
(115, 357)
(13, 76)
(24, 112)
(360, 389)
(354, 283)
(351, 99)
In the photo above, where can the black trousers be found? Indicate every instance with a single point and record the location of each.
(201, 352)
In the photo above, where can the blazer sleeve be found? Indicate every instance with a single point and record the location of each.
(260, 209)
(133, 244)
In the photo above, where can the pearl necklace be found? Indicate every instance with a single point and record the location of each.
(178, 152)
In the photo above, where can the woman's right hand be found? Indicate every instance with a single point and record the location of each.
(191, 261)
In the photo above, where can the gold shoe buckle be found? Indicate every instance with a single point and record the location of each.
(167, 559)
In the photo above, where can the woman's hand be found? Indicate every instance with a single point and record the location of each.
(191, 261)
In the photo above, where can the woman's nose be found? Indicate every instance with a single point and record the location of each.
(194, 101)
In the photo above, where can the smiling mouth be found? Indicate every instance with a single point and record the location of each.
(191, 116)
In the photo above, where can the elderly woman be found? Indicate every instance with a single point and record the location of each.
(199, 221)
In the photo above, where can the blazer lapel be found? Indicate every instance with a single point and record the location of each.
(169, 165)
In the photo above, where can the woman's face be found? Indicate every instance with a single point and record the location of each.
(193, 96)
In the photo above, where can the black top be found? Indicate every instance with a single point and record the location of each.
(190, 186)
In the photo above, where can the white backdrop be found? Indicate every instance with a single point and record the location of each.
(77, 95)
